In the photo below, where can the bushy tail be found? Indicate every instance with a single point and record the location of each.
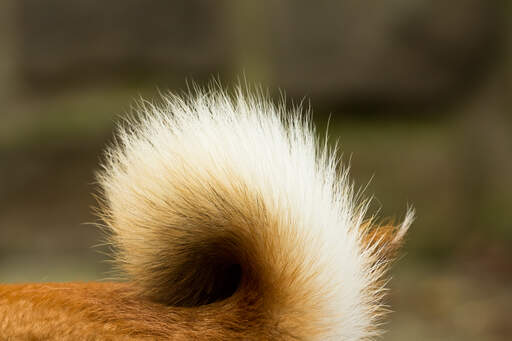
(231, 199)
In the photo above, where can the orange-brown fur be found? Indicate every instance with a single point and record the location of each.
(113, 311)
(230, 223)
(117, 311)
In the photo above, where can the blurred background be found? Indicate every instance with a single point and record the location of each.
(418, 94)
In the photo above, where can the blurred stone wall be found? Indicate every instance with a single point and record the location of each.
(356, 50)
(59, 39)
(383, 50)
(7, 51)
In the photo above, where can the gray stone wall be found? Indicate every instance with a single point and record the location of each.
(339, 51)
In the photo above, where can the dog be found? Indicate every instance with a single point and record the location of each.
(231, 221)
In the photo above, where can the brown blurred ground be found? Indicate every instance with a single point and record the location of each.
(418, 94)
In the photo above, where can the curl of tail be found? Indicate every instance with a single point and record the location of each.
(230, 200)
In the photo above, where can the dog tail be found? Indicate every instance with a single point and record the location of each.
(230, 201)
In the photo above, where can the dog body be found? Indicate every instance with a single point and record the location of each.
(231, 222)
(115, 311)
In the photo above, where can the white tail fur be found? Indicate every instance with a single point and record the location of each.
(231, 200)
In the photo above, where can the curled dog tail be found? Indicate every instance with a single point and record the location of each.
(229, 202)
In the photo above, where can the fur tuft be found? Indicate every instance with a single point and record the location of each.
(230, 200)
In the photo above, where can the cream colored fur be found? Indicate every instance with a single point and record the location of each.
(203, 187)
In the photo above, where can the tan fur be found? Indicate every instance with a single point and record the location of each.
(118, 311)
(113, 311)
(258, 236)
